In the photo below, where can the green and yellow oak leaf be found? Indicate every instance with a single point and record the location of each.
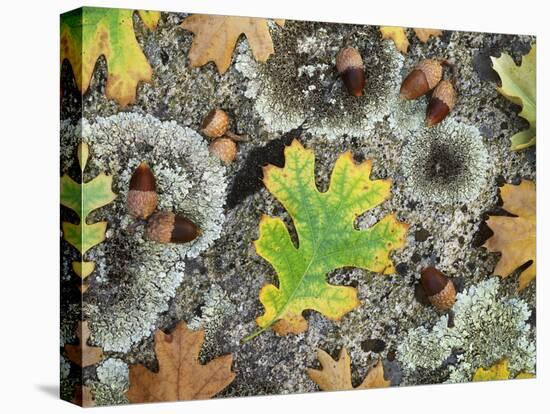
(88, 33)
(515, 237)
(519, 86)
(83, 198)
(498, 371)
(327, 238)
(216, 37)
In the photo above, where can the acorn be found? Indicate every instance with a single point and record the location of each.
(224, 148)
(350, 67)
(439, 288)
(166, 227)
(423, 78)
(216, 125)
(442, 102)
(142, 197)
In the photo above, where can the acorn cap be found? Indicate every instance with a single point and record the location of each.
(442, 102)
(439, 288)
(224, 148)
(142, 197)
(349, 65)
(215, 124)
(423, 78)
(166, 227)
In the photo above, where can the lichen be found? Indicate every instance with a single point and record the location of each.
(64, 367)
(446, 164)
(113, 383)
(302, 85)
(486, 327)
(135, 278)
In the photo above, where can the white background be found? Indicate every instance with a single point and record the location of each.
(29, 204)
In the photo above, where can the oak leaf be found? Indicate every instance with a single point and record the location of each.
(88, 33)
(398, 35)
(327, 238)
(180, 376)
(515, 237)
(498, 371)
(83, 198)
(336, 375)
(83, 354)
(216, 37)
(424, 34)
(519, 86)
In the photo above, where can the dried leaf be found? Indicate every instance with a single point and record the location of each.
(515, 237)
(216, 37)
(519, 86)
(424, 34)
(180, 376)
(328, 239)
(498, 371)
(83, 198)
(83, 354)
(397, 34)
(336, 375)
(83, 396)
(88, 33)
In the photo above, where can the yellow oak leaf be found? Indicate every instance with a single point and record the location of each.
(424, 34)
(397, 34)
(88, 33)
(181, 376)
(498, 371)
(216, 37)
(336, 375)
(515, 237)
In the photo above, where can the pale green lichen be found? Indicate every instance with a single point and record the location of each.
(113, 383)
(486, 327)
(302, 86)
(64, 367)
(445, 164)
(190, 182)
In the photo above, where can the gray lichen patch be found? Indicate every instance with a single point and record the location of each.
(112, 383)
(486, 327)
(446, 164)
(134, 277)
(300, 83)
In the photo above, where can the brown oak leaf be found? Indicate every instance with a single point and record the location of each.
(216, 37)
(180, 376)
(424, 34)
(336, 375)
(83, 354)
(515, 237)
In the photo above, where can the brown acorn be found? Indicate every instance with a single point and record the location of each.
(142, 197)
(350, 67)
(442, 102)
(423, 78)
(224, 148)
(439, 288)
(216, 125)
(166, 227)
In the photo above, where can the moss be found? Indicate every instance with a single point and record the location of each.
(135, 278)
(301, 85)
(446, 164)
(485, 328)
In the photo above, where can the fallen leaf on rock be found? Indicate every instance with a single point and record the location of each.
(520, 87)
(83, 354)
(216, 37)
(424, 34)
(498, 371)
(83, 396)
(89, 32)
(397, 34)
(515, 237)
(336, 375)
(327, 238)
(180, 376)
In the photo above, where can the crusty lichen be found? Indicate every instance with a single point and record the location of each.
(146, 274)
(485, 328)
(445, 164)
(303, 86)
(112, 384)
